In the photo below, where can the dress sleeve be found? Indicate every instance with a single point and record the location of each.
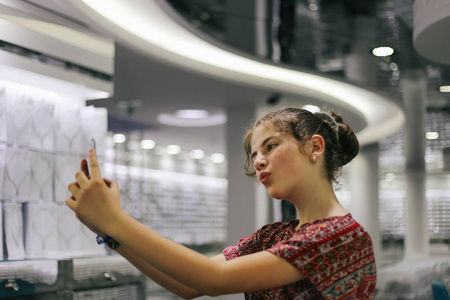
(333, 260)
(247, 245)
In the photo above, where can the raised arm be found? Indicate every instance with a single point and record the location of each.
(160, 278)
(97, 205)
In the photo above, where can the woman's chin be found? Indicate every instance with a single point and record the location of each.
(275, 195)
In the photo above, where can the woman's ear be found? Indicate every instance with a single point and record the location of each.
(317, 145)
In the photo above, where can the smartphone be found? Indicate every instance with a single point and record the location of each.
(93, 143)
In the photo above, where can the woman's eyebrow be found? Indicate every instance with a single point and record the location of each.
(262, 145)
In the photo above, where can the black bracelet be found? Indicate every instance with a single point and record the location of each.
(109, 241)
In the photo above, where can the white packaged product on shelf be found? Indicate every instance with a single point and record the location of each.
(1, 235)
(41, 181)
(2, 113)
(13, 230)
(40, 230)
(42, 126)
(74, 239)
(94, 124)
(2, 167)
(69, 227)
(19, 113)
(68, 130)
(16, 182)
(66, 167)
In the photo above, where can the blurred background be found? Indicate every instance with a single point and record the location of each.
(167, 89)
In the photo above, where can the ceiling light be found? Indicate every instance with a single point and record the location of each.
(191, 114)
(188, 119)
(148, 144)
(197, 154)
(217, 158)
(313, 7)
(382, 51)
(444, 89)
(432, 135)
(173, 149)
(119, 138)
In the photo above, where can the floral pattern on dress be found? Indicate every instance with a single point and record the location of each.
(335, 255)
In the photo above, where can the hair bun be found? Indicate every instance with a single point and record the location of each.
(347, 138)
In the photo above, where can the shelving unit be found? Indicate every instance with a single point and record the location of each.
(104, 277)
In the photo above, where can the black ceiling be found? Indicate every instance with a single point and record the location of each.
(312, 33)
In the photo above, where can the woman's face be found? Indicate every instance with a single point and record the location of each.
(281, 166)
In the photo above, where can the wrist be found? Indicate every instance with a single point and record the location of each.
(109, 241)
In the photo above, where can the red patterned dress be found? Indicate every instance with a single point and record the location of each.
(335, 255)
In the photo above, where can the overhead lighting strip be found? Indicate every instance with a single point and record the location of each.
(147, 26)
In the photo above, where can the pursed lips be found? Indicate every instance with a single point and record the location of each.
(264, 177)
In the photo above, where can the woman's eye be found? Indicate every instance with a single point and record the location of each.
(270, 147)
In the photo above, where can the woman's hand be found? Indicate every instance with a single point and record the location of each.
(95, 200)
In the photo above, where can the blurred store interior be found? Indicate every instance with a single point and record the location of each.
(168, 87)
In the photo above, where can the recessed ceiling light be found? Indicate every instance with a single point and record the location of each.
(444, 89)
(191, 114)
(119, 138)
(191, 118)
(148, 144)
(217, 158)
(382, 51)
(197, 154)
(432, 135)
(173, 149)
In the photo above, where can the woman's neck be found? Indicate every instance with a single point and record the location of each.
(318, 204)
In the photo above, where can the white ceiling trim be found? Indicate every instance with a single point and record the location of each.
(146, 26)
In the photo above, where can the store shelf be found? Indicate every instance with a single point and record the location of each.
(77, 278)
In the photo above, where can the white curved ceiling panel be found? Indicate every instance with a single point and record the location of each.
(147, 27)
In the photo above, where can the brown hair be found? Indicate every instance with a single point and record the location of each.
(340, 149)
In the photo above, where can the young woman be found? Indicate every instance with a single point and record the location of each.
(325, 254)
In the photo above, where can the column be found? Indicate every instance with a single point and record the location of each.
(241, 217)
(241, 189)
(364, 187)
(414, 97)
(361, 66)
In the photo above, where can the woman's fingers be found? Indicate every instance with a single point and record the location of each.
(81, 178)
(93, 163)
(84, 167)
(74, 188)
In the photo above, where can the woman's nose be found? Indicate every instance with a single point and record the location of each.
(260, 162)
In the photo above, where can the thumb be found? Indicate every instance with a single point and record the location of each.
(112, 184)
(71, 203)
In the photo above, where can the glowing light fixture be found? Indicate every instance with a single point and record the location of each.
(146, 26)
(191, 114)
(217, 158)
(444, 89)
(382, 51)
(173, 149)
(432, 135)
(192, 118)
(148, 144)
(197, 154)
(119, 138)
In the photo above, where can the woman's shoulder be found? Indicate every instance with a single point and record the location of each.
(279, 226)
(329, 229)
